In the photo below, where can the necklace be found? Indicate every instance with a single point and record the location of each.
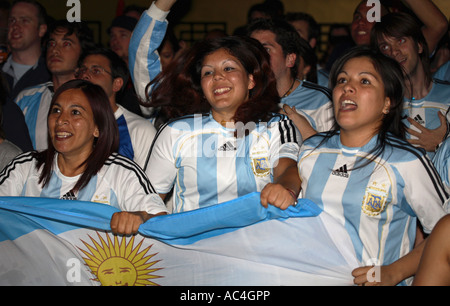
(287, 93)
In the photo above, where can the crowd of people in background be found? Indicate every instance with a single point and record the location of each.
(154, 126)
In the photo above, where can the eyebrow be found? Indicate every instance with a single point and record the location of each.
(70, 106)
(65, 38)
(267, 44)
(223, 62)
(93, 66)
(361, 73)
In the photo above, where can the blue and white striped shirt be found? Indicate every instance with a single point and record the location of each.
(378, 203)
(35, 103)
(441, 161)
(314, 103)
(206, 164)
(119, 183)
(425, 110)
(143, 58)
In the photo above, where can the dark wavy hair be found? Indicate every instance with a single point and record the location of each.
(81, 30)
(178, 89)
(104, 145)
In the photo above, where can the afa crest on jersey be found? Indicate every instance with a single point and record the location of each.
(259, 156)
(375, 199)
(261, 166)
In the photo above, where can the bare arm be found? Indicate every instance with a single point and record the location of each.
(434, 21)
(391, 275)
(165, 5)
(434, 267)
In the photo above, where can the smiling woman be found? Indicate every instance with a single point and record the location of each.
(229, 141)
(80, 162)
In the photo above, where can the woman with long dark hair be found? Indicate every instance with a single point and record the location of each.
(80, 162)
(230, 141)
(365, 174)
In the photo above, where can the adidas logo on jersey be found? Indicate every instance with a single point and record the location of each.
(228, 146)
(419, 120)
(342, 171)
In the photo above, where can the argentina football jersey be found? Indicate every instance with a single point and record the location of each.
(314, 102)
(144, 62)
(206, 164)
(378, 201)
(120, 183)
(441, 161)
(425, 111)
(136, 135)
(35, 103)
(443, 73)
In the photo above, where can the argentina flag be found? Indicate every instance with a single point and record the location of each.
(238, 243)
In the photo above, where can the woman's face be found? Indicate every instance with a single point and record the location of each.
(359, 97)
(71, 124)
(225, 83)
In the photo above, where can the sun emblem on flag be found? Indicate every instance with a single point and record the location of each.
(118, 263)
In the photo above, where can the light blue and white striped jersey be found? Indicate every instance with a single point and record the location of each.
(143, 58)
(314, 102)
(119, 183)
(136, 135)
(425, 111)
(34, 103)
(206, 164)
(380, 203)
(322, 77)
(443, 73)
(441, 161)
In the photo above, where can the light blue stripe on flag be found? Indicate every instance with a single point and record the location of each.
(62, 242)
(59, 216)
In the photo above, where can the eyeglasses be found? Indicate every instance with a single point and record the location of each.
(93, 71)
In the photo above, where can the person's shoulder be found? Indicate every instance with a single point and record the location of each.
(35, 90)
(187, 122)
(403, 151)
(23, 160)
(321, 139)
(319, 88)
(135, 121)
(7, 145)
(118, 163)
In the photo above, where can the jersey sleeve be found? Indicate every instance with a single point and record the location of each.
(161, 168)
(441, 161)
(285, 140)
(134, 188)
(143, 60)
(14, 176)
(424, 191)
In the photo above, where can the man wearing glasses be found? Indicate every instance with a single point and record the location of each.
(106, 69)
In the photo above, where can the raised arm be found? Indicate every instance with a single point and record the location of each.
(144, 62)
(434, 21)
